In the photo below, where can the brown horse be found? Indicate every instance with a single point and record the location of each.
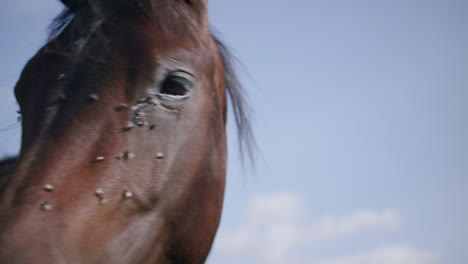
(123, 154)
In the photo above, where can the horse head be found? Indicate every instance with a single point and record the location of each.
(123, 155)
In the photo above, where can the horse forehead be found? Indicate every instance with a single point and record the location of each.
(176, 44)
(82, 42)
(159, 33)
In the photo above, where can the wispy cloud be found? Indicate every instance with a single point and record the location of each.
(330, 227)
(276, 225)
(399, 254)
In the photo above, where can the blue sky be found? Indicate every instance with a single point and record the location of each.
(360, 115)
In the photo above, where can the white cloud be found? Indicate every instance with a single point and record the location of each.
(330, 227)
(283, 207)
(399, 254)
(270, 230)
(276, 225)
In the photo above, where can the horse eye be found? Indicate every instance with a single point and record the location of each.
(175, 86)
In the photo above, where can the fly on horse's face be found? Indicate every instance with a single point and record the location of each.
(123, 151)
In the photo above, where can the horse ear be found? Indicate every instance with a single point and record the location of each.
(74, 5)
(200, 7)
